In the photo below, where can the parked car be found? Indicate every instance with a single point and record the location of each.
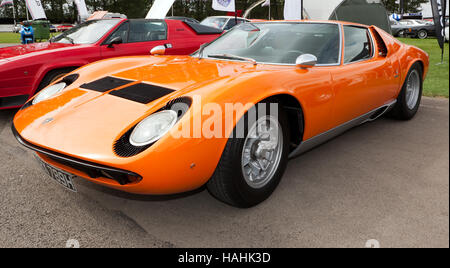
(224, 23)
(52, 28)
(399, 29)
(419, 28)
(129, 123)
(183, 19)
(24, 70)
(64, 27)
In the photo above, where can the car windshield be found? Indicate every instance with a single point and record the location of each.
(215, 22)
(277, 43)
(86, 33)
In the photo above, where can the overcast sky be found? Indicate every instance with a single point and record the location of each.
(426, 10)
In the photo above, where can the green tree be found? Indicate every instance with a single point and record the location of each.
(410, 6)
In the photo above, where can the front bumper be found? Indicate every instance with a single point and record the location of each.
(79, 167)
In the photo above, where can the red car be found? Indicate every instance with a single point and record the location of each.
(26, 69)
(64, 27)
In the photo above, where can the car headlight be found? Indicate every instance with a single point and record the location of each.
(49, 92)
(153, 128)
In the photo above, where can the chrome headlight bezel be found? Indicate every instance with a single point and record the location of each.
(150, 122)
(49, 92)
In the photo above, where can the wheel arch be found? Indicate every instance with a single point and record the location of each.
(295, 114)
(45, 71)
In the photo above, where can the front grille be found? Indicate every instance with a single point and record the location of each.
(95, 173)
(123, 147)
(93, 170)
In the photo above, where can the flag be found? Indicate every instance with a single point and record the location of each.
(293, 9)
(439, 8)
(82, 9)
(6, 2)
(36, 9)
(266, 4)
(159, 9)
(224, 5)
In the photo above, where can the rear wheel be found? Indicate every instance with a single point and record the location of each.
(251, 167)
(409, 99)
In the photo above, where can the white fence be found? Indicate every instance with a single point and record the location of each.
(6, 27)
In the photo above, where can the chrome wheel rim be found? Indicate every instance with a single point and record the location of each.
(412, 89)
(422, 35)
(262, 152)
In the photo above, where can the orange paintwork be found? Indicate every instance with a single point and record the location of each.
(86, 123)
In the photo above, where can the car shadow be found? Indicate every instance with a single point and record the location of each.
(137, 197)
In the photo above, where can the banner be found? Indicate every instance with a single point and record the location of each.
(36, 9)
(224, 5)
(293, 9)
(159, 9)
(6, 2)
(82, 9)
(439, 8)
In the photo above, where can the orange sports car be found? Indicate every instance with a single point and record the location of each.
(228, 117)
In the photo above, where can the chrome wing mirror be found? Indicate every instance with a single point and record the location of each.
(158, 50)
(306, 61)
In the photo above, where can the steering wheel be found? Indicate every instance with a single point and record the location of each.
(292, 55)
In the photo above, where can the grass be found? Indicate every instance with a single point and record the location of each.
(9, 38)
(12, 38)
(437, 82)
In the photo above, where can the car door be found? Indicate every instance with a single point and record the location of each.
(365, 81)
(138, 38)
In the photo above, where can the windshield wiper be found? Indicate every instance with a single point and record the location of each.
(70, 40)
(202, 48)
(233, 57)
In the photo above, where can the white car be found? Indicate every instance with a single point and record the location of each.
(224, 23)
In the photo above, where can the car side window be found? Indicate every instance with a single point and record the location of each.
(122, 31)
(358, 44)
(147, 30)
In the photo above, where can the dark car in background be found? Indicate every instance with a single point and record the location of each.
(414, 28)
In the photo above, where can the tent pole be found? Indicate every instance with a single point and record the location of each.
(302, 11)
(14, 14)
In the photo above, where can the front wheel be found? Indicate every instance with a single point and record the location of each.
(251, 166)
(409, 99)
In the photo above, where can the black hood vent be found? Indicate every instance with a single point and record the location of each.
(142, 93)
(106, 84)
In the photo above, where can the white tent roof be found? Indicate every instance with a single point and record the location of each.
(322, 9)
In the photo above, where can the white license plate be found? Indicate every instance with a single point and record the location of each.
(61, 177)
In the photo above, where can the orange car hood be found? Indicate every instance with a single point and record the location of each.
(79, 122)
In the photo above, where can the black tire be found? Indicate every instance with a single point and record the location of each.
(401, 34)
(422, 34)
(228, 183)
(401, 110)
(52, 76)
